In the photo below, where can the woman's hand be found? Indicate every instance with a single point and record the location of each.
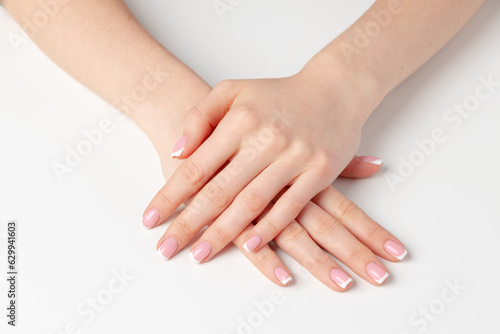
(331, 222)
(263, 136)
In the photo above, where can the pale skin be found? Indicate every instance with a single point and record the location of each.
(83, 35)
(312, 121)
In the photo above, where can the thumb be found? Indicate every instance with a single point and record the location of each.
(201, 119)
(362, 166)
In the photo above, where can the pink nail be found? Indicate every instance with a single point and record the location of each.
(282, 275)
(395, 249)
(376, 272)
(179, 147)
(168, 247)
(252, 243)
(340, 278)
(372, 160)
(150, 218)
(201, 251)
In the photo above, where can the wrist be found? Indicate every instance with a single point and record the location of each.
(360, 88)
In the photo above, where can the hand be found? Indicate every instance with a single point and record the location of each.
(333, 223)
(267, 135)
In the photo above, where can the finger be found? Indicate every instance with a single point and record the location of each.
(361, 167)
(201, 119)
(365, 229)
(247, 205)
(284, 211)
(210, 202)
(265, 260)
(297, 243)
(330, 234)
(190, 177)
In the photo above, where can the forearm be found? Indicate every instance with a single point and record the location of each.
(390, 42)
(103, 46)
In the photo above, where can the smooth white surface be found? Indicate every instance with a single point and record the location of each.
(75, 236)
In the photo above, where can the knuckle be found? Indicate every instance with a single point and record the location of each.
(292, 233)
(316, 259)
(262, 257)
(373, 231)
(219, 235)
(217, 196)
(272, 143)
(312, 263)
(272, 229)
(194, 113)
(345, 209)
(323, 166)
(246, 120)
(225, 85)
(294, 205)
(325, 224)
(300, 150)
(253, 202)
(192, 173)
(280, 141)
(355, 254)
(183, 226)
(166, 201)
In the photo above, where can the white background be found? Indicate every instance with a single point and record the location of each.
(74, 234)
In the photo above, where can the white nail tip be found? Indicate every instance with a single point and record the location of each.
(161, 254)
(246, 248)
(377, 162)
(286, 280)
(402, 256)
(192, 257)
(177, 153)
(382, 279)
(346, 283)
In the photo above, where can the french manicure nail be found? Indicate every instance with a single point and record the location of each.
(150, 218)
(340, 278)
(179, 147)
(372, 160)
(282, 275)
(168, 248)
(201, 252)
(395, 249)
(376, 272)
(252, 243)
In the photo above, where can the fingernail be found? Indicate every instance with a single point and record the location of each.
(179, 147)
(168, 248)
(282, 275)
(150, 218)
(201, 251)
(252, 243)
(376, 272)
(372, 160)
(340, 278)
(395, 249)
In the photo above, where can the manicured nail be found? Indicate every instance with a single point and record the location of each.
(201, 251)
(168, 248)
(377, 272)
(395, 249)
(150, 218)
(372, 160)
(340, 278)
(282, 275)
(179, 147)
(252, 243)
